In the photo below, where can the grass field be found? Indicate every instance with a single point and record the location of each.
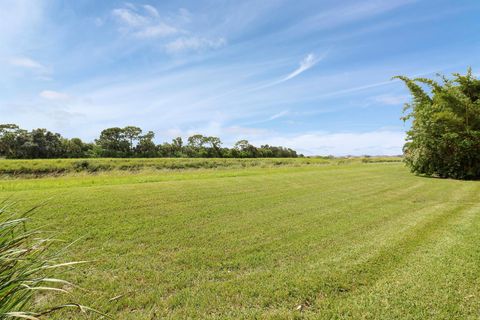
(355, 240)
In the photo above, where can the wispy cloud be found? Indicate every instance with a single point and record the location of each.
(54, 95)
(308, 62)
(31, 68)
(279, 115)
(158, 30)
(146, 22)
(348, 12)
(25, 62)
(143, 21)
(194, 44)
(305, 64)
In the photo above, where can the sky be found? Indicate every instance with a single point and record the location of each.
(311, 75)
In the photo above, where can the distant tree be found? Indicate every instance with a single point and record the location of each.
(242, 145)
(266, 151)
(114, 142)
(132, 134)
(177, 147)
(196, 141)
(39, 144)
(146, 147)
(444, 138)
(8, 134)
(215, 144)
(196, 146)
(94, 151)
(75, 148)
(165, 150)
(245, 150)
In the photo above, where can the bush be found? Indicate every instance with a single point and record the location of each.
(444, 139)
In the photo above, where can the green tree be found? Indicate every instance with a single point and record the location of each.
(37, 144)
(8, 134)
(215, 144)
(114, 142)
(245, 150)
(444, 138)
(196, 146)
(75, 148)
(132, 134)
(146, 147)
(177, 147)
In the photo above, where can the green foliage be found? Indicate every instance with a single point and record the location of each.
(26, 262)
(114, 142)
(444, 139)
(38, 143)
(55, 167)
(127, 142)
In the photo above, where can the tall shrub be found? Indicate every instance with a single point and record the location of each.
(444, 138)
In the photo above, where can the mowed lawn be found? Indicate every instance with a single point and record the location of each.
(336, 241)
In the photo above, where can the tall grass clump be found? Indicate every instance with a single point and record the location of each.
(26, 262)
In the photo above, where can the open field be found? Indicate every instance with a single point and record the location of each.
(350, 240)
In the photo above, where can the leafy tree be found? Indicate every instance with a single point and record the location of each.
(146, 147)
(132, 134)
(196, 146)
(114, 142)
(196, 141)
(75, 148)
(245, 150)
(8, 133)
(37, 144)
(444, 138)
(177, 142)
(215, 146)
(177, 147)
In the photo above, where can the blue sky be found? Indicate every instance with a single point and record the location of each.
(311, 75)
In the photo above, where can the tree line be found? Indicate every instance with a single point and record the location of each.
(127, 142)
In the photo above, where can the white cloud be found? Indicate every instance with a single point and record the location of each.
(31, 68)
(130, 18)
(54, 95)
(384, 141)
(158, 30)
(194, 44)
(381, 142)
(388, 142)
(25, 62)
(308, 62)
(278, 115)
(143, 21)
